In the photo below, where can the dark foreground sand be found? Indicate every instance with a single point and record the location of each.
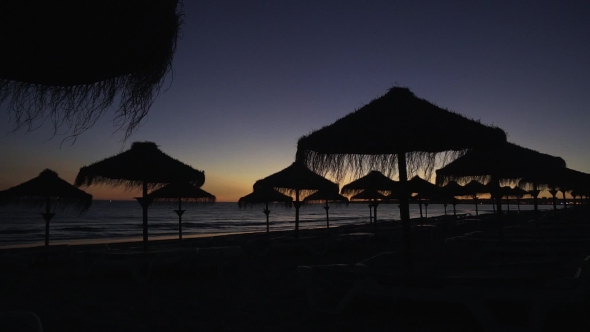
(262, 293)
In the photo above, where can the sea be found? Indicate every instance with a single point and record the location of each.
(115, 221)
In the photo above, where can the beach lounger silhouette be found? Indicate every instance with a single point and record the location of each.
(20, 321)
(332, 288)
(218, 259)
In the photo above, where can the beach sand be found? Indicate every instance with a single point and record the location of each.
(261, 293)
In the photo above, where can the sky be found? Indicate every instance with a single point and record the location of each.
(249, 78)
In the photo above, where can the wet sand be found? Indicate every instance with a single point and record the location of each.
(261, 292)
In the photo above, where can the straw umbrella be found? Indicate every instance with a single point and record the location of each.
(40, 191)
(142, 166)
(323, 196)
(182, 191)
(373, 196)
(299, 180)
(71, 60)
(518, 193)
(448, 193)
(396, 128)
(473, 188)
(371, 183)
(262, 195)
(424, 190)
(508, 163)
(563, 180)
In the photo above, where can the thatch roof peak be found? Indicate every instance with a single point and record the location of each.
(48, 172)
(509, 162)
(143, 162)
(144, 145)
(372, 136)
(48, 184)
(296, 178)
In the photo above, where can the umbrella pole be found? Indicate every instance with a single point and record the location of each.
(267, 212)
(327, 207)
(47, 217)
(445, 205)
(370, 212)
(145, 201)
(535, 203)
(297, 204)
(375, 204)
(426, 208)
(565, 205)
(145, 216)
(496, 196)
(180, 211)
(476, 207)
(553, 193)
(405, 208)
(420, 207)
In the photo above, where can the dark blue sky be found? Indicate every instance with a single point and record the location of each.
(250, 77)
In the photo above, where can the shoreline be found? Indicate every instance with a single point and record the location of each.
(136, 241)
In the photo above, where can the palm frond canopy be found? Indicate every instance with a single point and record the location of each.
(374, 180)
(397, 122)
(563, 179)
(184, 191)
(508, 162)
(321, 196)
(73, 58)
(368, 194)
(48, 184)
(143, 162)
(262, 195)
(422, 187)
(475, 187)
(297, 178)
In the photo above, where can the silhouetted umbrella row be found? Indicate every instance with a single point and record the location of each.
(326, 197)
(262, 195)
(397, 126)
(50, 191)
(297, 180)
(143, 166)
(179, 192)
(505, 162)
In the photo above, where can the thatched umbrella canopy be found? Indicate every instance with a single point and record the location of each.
(507, 163)
(563, 180)
(397, 128)
(374, 180)
(473, 188)
(182, 191)
(69, 60)
(262, 195)
(299, 180)
(423, 190)
(322, 196)
(370, 184)
(374, 197)
(143, 166)
(513, 192)
(448, 192)
(41, 190)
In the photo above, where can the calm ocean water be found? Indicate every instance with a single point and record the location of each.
(106, 220)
